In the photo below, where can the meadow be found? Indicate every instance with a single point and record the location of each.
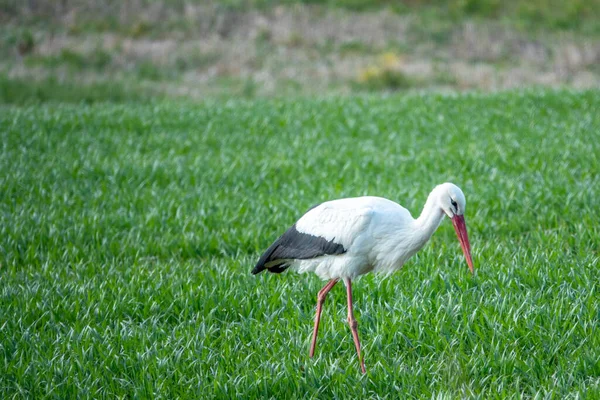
(93, 50)
(128, 232)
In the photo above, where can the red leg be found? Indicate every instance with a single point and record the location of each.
(320, 300)
(353, 324)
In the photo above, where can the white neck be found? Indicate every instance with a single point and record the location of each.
(430, 218)
(406, 242)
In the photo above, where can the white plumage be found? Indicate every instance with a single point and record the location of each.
(377, 233)
(346, 238)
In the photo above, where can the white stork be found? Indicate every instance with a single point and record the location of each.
(343, 239)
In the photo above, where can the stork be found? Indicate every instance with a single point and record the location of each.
(343, 239)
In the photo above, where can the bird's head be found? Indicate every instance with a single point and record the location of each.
(453, 203)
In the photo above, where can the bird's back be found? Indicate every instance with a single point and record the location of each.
(332, 228)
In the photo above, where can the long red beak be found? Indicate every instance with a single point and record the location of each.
(461, 232)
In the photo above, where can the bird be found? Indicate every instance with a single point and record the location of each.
(346, 238)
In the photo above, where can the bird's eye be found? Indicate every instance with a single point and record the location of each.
(454, 204)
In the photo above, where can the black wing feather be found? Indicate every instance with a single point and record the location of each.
(294, 245)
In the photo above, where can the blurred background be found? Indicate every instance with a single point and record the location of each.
(97, 50)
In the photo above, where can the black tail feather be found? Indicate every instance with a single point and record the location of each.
(266, 258)
(258, 269)
(294, 245)
(275, 269)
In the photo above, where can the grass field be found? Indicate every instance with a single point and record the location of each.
(128, 232)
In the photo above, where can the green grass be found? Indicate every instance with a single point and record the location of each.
(73, 60)
(31, 91)
(579, 15)
(576, 15)
(128, 232)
